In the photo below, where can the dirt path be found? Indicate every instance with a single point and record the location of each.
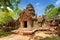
(15, 37)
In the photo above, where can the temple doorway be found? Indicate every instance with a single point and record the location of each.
(25, 24)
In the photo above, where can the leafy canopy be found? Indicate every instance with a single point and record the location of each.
(51, 11)
(49, 8)
(6, 17)
(54, 13)
(13, 4)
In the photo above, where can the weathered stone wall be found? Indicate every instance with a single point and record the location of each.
(52, 23)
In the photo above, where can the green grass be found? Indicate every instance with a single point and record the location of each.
(52, 38)
(3, 33)
(48, 38)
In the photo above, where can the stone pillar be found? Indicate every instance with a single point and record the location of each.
(21, 24)
(28, 24)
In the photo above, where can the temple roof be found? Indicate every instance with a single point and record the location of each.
(29, 6)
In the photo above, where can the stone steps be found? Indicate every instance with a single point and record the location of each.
(24, 31)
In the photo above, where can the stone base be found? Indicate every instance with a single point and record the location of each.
(32, 31)
(22, 31)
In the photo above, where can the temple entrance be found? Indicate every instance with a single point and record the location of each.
(25, 24)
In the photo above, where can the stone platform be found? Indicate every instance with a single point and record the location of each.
(32, 31)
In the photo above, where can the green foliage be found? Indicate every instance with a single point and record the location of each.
(47, 38)
(6, 17)
(49, 8)
(18, 11)
(52, 38)
(3, 33)
(54, 13)
(13, 4)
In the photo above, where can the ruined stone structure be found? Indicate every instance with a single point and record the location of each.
(29, 20)
(27, 17)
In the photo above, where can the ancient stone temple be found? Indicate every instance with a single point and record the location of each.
(31, 23)
(27, 17)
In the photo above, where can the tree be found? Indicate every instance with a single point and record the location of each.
(49, 8)
(7, 17)
(13, 4)
(54, 13)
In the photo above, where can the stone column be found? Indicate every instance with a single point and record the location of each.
(28, 24)
(21, 24)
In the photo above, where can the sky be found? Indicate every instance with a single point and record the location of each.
(39, 5)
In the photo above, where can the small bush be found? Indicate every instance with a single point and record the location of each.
(3, 33)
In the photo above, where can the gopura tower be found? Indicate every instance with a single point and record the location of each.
(27, 17)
